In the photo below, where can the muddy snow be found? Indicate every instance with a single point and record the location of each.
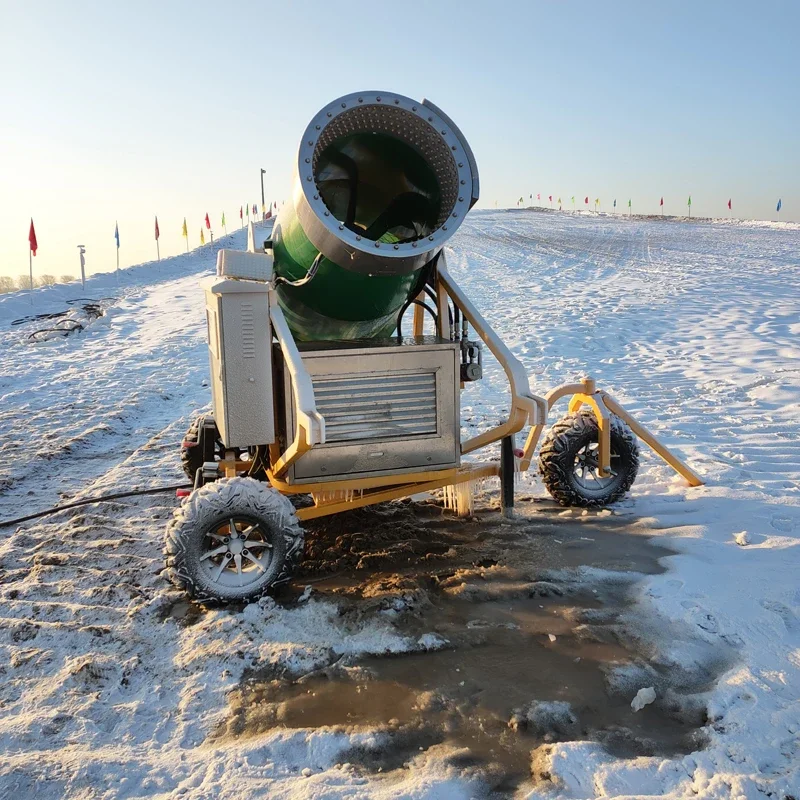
(418, 655)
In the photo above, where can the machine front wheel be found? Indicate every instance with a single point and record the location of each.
(569, 461)
(233, 540)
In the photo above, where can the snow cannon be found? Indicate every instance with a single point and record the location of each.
(324, 401)
(381, 183)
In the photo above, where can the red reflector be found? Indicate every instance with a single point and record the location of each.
(182, 492)
(519, 453)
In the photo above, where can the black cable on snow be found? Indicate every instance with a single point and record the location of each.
(102, 499)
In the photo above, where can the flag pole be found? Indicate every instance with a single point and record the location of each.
(158, 251)
(30, 267)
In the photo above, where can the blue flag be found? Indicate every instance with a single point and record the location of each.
(615, 204)
(116, 234)
(779, 206)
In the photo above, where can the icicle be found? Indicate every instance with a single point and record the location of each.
(460, 497)
(335, 496)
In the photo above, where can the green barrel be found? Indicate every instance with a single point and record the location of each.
(382, 181)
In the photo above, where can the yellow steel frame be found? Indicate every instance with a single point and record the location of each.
(366, 497)
(526, 408)
(603, 405)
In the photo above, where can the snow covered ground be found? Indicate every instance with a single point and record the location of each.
(695, 327)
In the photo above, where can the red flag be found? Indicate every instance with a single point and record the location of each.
(550, 198)
(586, 201)
(662, 202)
(32, 238)
(208, 221)
(729, 205)
(268, 215)
(241, 213)
(538, 196)
(157, 231)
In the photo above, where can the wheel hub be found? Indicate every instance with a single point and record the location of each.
(237, 553)
(236, 545)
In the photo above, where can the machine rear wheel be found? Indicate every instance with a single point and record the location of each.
(233, 540)
(194, 448)
(569, 461)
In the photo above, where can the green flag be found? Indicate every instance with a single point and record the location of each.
(247, 211)
(629, 203)
(223, 219)
(690, 201)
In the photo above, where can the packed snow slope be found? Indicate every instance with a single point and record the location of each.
(694, 327)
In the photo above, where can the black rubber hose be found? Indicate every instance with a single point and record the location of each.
(103, 499)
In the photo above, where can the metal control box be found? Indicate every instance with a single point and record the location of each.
(240, 353)
(390, 407)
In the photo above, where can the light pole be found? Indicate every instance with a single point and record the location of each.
(81, 253)
(263, 209)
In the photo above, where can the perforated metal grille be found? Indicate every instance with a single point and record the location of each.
(409, 128)
(377, 406)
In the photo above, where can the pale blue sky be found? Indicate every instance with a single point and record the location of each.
(121, 111)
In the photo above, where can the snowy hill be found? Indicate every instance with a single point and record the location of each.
(106, 692)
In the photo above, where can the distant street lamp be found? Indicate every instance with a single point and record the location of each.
(263, 203)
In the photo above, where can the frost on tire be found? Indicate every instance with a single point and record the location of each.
(233, 540)
(569, 461)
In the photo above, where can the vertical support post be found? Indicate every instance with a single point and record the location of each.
(30, 266)
(419, 317)
(445, 327)
(507, 476)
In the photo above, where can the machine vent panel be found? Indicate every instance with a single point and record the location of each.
(248, 331)
(377, 406)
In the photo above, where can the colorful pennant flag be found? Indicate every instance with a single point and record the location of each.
(778, 208)
(689, 202)
(223, 219)
(248, 211)
(208, 221)
(240, 213)
(662, 202)
(629, 202)
(615, 204)
(116, 233)
(158, 233)
(538, 196)
(202, 237)
(586, 199)
(32, 238)
(184, 230)
(729, 204)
